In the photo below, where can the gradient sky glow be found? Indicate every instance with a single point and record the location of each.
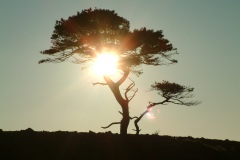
(61, 96)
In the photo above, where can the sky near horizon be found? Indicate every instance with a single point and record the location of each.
(61, 96)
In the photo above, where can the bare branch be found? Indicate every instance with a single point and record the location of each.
(117, 122)
(100, 83)
(129, 116)
(133, 117)
(136, 130)
(137, 120)
(125, 75)
(145, 112)
(154, 104)
(129, 88)
(108, 80)
(135, 91)
(111, 125)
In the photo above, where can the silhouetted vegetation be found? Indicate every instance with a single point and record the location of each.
(74, 145)
(82, 37)
(172, 93)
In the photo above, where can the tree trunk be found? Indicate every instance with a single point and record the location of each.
(125, 120)
(123, 103)
(137, 120)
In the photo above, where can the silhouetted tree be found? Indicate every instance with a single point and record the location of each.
(172, 93)
(81, 37)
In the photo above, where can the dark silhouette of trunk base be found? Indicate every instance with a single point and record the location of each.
(125, 120)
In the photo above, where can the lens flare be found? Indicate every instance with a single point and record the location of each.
(150, 115)
(105, 64)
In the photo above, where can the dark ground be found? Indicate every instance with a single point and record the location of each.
(28, 144)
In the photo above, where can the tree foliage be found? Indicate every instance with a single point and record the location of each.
(175, 93)
(172, 93)
(82, 36)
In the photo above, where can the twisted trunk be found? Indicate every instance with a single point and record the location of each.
(125, 120)
(137, 120)
(123, 103)
(125, 111)
(145, 112)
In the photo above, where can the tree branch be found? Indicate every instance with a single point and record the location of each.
(111, 125)
(140, 117)
(145, 112)
(129, 88)
(135, 91)
(100, 83)
(154, 104)
(129, 116)
(133, 117)
(125, 75)
(137, 130)
(108, 80)
(60, 57)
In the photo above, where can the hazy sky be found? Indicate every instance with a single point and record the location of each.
(61, 96)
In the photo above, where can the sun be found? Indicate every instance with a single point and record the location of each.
(105, 64)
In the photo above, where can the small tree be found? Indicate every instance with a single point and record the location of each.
(82, 37)
(172, 93)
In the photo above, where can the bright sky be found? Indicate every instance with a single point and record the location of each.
(61, 96)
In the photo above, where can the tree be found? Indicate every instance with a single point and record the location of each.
(81, 37)
(172, 93)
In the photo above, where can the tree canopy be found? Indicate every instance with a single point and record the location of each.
(82, 36)
(175, 93)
